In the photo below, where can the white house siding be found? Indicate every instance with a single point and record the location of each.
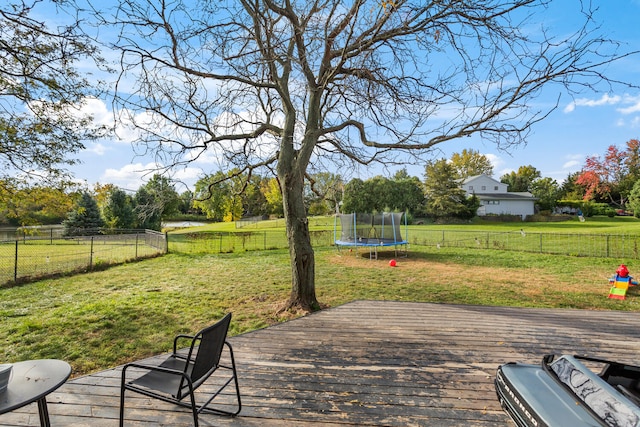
(496, 200)
(507, 207)
(483, 184)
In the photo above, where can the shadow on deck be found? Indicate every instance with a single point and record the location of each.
(367, 363)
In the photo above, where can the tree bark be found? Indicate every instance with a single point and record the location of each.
(303, 291)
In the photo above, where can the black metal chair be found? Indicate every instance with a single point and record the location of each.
(179, 376)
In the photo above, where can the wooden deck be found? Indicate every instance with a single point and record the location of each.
(368, 363)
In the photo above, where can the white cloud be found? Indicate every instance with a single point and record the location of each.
(634, 108)
(494, 160)
(570, 164)
(97, 148)
(574, 161)
(129, 177)
(605, 99)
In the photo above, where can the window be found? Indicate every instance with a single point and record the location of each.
(495, 188)
(493, 202)
(471, 187)
(484, 187)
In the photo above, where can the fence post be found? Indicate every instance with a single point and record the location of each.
(91, 255)
(264, 234)
(15, 264)
(137, 234)
(607, 246)
(541, 243)
(166, 242)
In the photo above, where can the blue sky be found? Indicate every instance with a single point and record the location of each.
(583, 125)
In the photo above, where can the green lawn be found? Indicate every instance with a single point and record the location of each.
(106, 318)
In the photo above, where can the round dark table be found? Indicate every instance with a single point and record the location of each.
(32, 381)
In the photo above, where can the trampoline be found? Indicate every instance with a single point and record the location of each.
(372, 231)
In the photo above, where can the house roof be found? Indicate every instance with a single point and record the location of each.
(474, 177)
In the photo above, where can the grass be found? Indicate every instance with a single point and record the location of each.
(105, 318)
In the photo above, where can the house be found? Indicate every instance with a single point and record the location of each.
(496, 199)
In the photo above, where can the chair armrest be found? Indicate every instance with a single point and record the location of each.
(180, 337)
(153, 368)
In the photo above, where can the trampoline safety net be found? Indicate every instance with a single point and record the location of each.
(372, 230)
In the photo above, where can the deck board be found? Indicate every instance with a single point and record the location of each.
(367, 363)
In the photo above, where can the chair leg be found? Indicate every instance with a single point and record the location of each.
(235, 379)
(194, 408)
(122, 390)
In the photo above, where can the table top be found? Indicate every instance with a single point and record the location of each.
(31, 380)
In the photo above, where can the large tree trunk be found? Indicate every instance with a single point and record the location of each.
(303, 290)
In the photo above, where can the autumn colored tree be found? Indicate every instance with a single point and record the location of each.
(611, 177)
(569, 190)
(34, 205)
(470, 163)
(273, 194)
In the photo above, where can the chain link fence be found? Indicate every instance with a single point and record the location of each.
(35, 255)
(225, 242)
(621, 246)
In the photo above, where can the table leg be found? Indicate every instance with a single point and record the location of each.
(44, 413)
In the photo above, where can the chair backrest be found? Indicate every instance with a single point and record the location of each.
(211, 343)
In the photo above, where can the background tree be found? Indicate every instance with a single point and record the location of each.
(265, 83)
(610, 178)
(521, 180)
(253, 199)
(634, 199)
(85, 218)
(407, 194)
(155, 200)
(42, 124)
(210, 194)
(445, 198)
(273, 194)
(380, 194)
(355, 198)
(34, 205)
(118, 212)
(547, 191)
(147, 210)
(325, 193)
(470, 163)
(185, 206)
(570, 190)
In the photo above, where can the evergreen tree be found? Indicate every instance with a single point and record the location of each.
(445, 197)
(84, 219)
(118, 211)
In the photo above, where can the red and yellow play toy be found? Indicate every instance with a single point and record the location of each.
(620, 283)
